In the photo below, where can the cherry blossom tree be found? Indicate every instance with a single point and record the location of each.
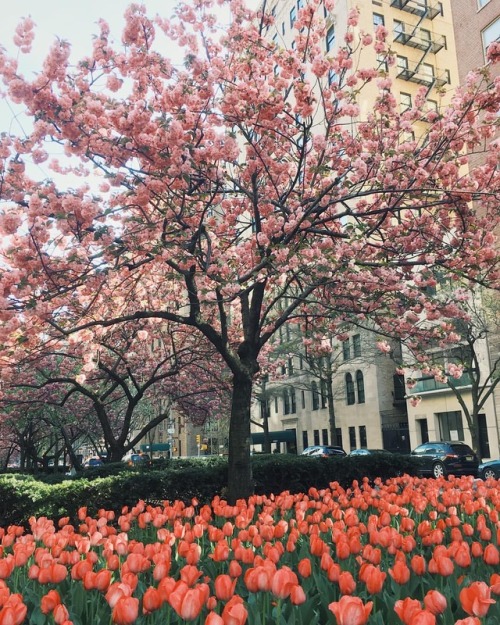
(236, 192)
(126, 384)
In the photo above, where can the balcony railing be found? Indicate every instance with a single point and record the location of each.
(422, 8)
(417, 40)
(417, 74)
(427, 385)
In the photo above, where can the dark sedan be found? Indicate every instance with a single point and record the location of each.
(489, 469)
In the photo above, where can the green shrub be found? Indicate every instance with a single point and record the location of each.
(113, 486)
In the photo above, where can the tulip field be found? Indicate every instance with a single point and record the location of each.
(406, 551)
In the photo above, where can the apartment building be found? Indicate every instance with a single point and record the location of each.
(439, 415)
(371, 407)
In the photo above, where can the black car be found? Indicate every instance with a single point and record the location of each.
(442, 458)
(323, 451)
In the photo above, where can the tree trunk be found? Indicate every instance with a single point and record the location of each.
(240, 480)
(331, 406)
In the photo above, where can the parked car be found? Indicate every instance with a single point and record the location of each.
(489, 469)
(323, 451)
(132, 458)
(441, 458)
(90, 463)
(367, 452)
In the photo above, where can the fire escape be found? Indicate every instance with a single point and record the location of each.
(419, 38)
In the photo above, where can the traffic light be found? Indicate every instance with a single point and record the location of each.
(198, 439)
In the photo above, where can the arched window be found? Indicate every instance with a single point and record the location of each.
(349, 389)
(315, 395)
(360, 385)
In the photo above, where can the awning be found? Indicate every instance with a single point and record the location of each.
(282, 436)
(156, 447)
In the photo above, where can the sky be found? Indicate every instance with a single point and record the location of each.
(75, 22)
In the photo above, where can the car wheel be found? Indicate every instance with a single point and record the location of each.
(489, 473)
(438, 470)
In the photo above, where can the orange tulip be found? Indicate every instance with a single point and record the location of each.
(297, 595)
(55, 573)
(283, 581)
(304, 567)
(435, 602)
(234, 612)
(14, 611)
(126, 610)
(407, 608)
(400, 572)
(469, 620)
(6, 566)
(60, 614)
(491, 555)
(476, 599)
(213, 619)
(49, 601)
(347, 583)
(418, 564)
(495, 583)
(151, 600)
(224, 587)
(351, 610)
(235, 569)
(186, 601)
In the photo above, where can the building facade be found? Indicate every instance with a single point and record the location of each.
(433, 49)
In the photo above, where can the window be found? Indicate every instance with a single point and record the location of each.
(352, 437)
(450, 425)
(300, 4)
(425, 35)
(356, 345)
(283, 28)
(432, 105)
(405, 101)
(303, 396)
(427, 70)
(402, 63)
(324, 436)
(398, 28)
(362, 436)
(330, 38)
(447, 76)
(346, 350)
(305, 439)
(316, 437)
(290, 366)
(276, 405)
(378, 20)
(293, 401)
(315, 396)
(481, 4)
(360, 386)
(382, 62)
(338, 437)
(293, 16)
(349, 390)
(323, 393)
